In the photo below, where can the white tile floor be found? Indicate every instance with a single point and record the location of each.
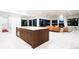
(57, 40)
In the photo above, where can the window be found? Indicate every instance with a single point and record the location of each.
(30, 22)
(47, 22)
(72, 22)
(23, 22)
(42, 22)
(34, 22)
(54, 22)
(61, 23)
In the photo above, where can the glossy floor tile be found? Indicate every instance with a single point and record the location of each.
(57, 40)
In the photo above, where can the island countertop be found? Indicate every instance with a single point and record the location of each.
(34, 28)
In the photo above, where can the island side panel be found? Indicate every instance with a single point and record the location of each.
(40, 37)
(26, 35)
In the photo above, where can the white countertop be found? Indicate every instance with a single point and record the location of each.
(34, 28)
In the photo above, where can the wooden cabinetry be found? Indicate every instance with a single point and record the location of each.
(33, 37)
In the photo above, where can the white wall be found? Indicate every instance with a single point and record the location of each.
(4, 22)
(10, 22)
(15, 21)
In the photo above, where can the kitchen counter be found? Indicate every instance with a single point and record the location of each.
(34, 28)
(34, 36)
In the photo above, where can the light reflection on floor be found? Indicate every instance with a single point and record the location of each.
(57, 40)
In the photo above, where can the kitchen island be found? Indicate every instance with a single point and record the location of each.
(34, 36)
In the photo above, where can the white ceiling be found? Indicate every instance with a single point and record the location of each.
(46, 13)
(49, 12)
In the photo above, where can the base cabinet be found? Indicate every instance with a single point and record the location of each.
(33, 37)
